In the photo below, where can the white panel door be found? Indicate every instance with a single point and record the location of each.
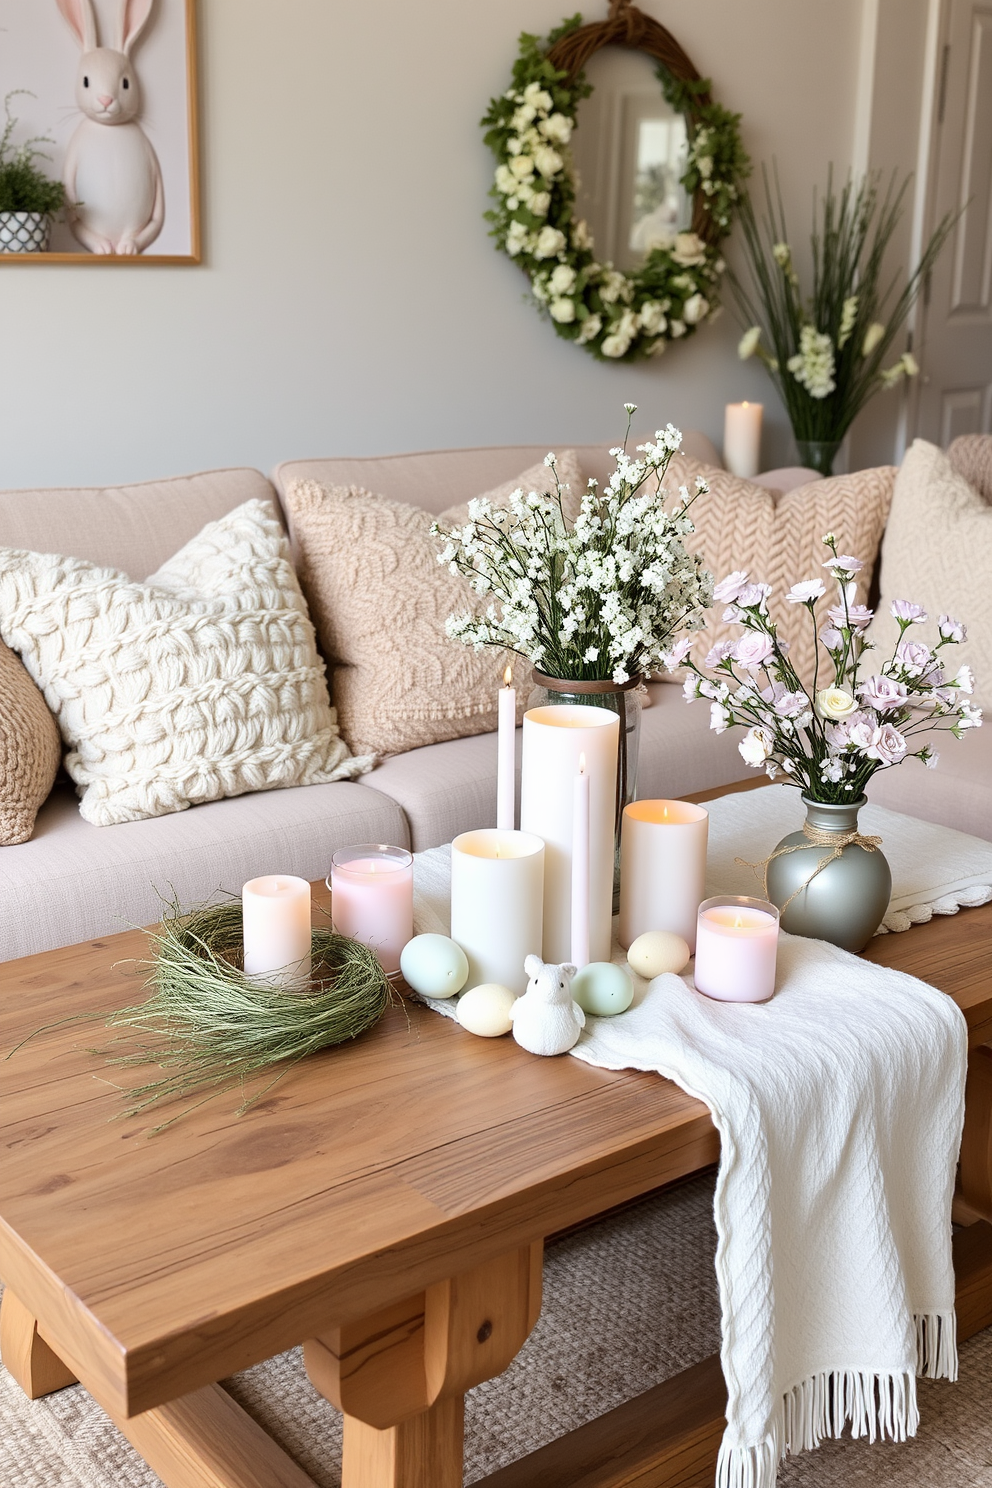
(955, 394)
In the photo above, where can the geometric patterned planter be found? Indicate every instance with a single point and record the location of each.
(24, 232)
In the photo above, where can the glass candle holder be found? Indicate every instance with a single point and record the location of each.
(736, 949)
(372, 899)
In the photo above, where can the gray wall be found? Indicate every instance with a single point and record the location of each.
(350, 301)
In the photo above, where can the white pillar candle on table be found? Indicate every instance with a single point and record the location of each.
(554, 738)
(372, 899)
(662, 868)
(580, 867)
(742, 438)
(497, 904)
(736, 949)
(506, 761)
(275, 913)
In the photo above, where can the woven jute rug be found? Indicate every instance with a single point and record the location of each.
(628, 1302)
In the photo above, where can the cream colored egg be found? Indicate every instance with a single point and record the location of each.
(657, 951)
(485, 1010)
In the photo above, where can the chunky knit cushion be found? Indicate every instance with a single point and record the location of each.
(971, 456)
(380, 600)
(202, 682)
(780, 541)
(29, 750)
(938, 553)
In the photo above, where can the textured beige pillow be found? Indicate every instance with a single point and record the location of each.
(971, 456)
(938, 553)
(202, 682)
(380, 600)
(779, 542)
(29, 750)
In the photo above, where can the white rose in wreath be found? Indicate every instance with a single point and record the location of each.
(562, 279)
(522, 166)
(548, 161)
(516, 239)
(694, 309)
(689, 250)
(557, 128)
(549, 242)
(653, 318)
(591, 327)
(563, 310)
(540, 202)
(506, 180)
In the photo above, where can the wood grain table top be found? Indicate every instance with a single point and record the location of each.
(164, 1263)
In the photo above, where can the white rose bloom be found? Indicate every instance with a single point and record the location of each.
(557, 128)
(689, 250)
(612, 287)
(539, 203)
(756, 745)
(834, 702)
(749, 342)
(695, 308)
(616, 345)
(524, 115)
(538, 99)
(652, 318)
(548, 161)
(516, 239)
(549, 242)
(677, 329)
(506, 180)
(581, 236)
(591, 327)
(522, 166)
(562, 280)
(563, 310)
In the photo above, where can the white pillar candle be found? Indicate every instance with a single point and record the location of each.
(506, 763)
(554, 738)
(662, 868)
(372, 899)
(736, 949)
(742, 438)
(580, 867)
(275, 917)
(497, 904)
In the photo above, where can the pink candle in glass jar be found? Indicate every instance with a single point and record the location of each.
(736, 948)
(372, 899)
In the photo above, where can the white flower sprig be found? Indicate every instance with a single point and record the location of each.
(829, 741)
(598, 600)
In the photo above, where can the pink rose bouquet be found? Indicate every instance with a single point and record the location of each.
(829, 740)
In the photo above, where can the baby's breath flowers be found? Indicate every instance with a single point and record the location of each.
(600, 600)
(830, 740)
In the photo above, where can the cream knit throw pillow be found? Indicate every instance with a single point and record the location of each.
(380, 599)
(779, 541)
(29, 750)
(202, 682)
(938, 552)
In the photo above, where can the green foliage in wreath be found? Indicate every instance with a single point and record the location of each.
(616, 316)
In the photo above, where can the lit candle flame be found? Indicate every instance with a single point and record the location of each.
(508, 676)
(582, 764)
(665, 812)
(738, 923)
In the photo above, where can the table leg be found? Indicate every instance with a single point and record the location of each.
(400, 1375)
(975, 1180)
(26, 1355)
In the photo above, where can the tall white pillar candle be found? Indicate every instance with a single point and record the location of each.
(662, 868)
(372, 899)
(497, 904)
(580, 867)
(742, 438)
(554, 738)
(506, 762)
(275, 913)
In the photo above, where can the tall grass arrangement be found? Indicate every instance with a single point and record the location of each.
(825, 351)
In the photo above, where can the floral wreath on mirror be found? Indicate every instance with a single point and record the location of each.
(616, 316)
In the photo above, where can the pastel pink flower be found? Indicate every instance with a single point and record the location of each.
(678, 653)
(843, 563)
(808, 590)
(753, 650)
(914, 657)
(904, 609)
(887, 745)
(951, 629)
(753, 596)
(791, 704)
(832, 639)
(728, 589)
(719, 653)
(883, 694)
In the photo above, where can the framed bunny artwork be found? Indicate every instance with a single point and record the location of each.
(103, 96)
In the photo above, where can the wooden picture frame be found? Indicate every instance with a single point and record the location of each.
(165, 64)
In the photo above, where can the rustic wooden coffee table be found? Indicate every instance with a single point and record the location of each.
(387, 1204)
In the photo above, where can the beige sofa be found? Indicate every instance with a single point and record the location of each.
(73, 881)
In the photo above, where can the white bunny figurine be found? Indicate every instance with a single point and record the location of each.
(545, 1019)
(112, 177)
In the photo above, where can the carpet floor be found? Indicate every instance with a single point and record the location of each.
(628, 1302)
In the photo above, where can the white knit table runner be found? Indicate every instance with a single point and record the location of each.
(839, 1106)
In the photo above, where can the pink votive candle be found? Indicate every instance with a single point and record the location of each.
(736, 946)
(372, 899)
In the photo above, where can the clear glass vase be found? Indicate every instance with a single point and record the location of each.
(626, 701)
(818, 454)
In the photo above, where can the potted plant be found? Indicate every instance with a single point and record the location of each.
(825, 352)
(28, 198)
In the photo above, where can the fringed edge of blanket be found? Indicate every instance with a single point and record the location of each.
(877, 1405)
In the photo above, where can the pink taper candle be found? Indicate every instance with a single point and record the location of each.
(736, 949)
(506, 760)
(580, 866)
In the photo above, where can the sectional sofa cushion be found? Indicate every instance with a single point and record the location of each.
(202, 682)
(369, 568)
(938, 552)
(29, 750)
(779, 541)
(971, 456)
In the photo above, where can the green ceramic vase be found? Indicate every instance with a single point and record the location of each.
(846, 901)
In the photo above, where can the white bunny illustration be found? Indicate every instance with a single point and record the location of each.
(112, 176)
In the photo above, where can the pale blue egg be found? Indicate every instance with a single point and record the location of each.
(603, 989)
(434, 965)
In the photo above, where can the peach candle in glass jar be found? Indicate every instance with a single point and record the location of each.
(736, 949)
(372, 899)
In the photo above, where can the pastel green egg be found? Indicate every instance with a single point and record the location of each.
(603, 989)
(485, 1010)
(434, 966)
(658, 951)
